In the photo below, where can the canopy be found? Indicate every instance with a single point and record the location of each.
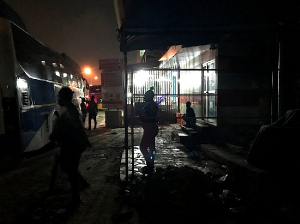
(157, 24)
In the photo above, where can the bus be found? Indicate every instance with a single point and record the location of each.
(96, 91)
(31, 75)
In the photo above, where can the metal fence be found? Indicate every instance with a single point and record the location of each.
(172, 89)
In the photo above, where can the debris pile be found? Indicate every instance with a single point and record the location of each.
(185, 195)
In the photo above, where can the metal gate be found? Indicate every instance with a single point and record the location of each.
(164, 84)
(172, 89)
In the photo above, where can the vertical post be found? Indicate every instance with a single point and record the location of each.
(278, 86)
(178, 86)
(125, 108)
(202, 91)
(287, 70)
(274, 62)
(132, 124)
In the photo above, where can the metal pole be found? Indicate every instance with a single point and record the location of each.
(132, 123)
(201, 92)
(125, 108)
(178, 90)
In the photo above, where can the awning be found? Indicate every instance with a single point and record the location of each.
(156, 24)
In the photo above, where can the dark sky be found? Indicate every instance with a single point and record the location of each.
(83, 29)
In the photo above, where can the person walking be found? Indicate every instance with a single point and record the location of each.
(93, 110)
(69, 133)
(149, 124)
(83, 110)
(189, 117)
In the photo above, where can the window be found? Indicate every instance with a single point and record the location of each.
(142, 52)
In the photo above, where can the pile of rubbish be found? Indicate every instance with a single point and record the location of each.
(185, 195)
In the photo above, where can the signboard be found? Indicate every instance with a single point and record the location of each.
(112, 89)
(110, 64)
(111, 79)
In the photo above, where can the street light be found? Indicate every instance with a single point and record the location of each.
(87, 70)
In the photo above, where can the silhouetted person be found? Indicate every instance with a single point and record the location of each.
(93, 110)
(189, 117)
(69, 133)
(149, 124)
(83, 110)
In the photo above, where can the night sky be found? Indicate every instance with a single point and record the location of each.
(84, 30)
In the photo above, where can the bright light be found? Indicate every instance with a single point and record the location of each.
(164, 79)
(22, 84)
(87, 71)
(141, 77)
(96, 77)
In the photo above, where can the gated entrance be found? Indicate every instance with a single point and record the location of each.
(172, 89)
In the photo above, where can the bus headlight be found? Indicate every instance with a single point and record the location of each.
(22, 83)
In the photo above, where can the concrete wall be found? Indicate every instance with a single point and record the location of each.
(244, 88)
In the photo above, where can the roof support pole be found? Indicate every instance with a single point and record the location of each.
(123, 45)
(132, 123)
(125, 113)
(275, 81)
(178, 86)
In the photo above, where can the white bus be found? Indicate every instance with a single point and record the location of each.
(31, 74)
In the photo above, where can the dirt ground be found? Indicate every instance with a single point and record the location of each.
(173, 194)
(23, 189)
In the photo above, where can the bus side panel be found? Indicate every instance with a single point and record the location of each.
(36, 118)
(36, 128)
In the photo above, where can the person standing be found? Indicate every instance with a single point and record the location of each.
(69, 133)
(83, 110)
(93, 110)
(189, 117)
(149, 124)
